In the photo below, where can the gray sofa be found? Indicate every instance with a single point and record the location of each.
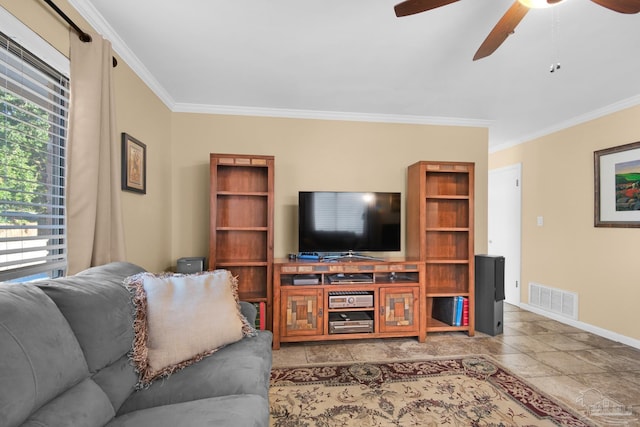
(64, 347)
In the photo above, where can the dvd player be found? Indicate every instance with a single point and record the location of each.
(340, 278)
(350, 322)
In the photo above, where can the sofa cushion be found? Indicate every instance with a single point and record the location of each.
(118, 380)
(240, 368)
(181, 319)
(98, 308)
(234, 410)
(39, 355)
(84, 405)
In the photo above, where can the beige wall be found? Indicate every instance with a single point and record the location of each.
(147, 218)
(310, 155)
(568, 252)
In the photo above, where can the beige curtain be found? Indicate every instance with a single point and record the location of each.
(95, 233)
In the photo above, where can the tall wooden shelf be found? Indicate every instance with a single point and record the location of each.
(440, 230)
(241, 223)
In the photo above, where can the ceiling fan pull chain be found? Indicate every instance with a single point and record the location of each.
(555, 40)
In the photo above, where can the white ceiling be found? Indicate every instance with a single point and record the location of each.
(354, 60)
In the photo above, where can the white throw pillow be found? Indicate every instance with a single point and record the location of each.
(181, 319)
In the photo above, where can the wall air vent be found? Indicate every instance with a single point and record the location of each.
(553, 300)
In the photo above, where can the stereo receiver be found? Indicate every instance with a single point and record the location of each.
(348, 299)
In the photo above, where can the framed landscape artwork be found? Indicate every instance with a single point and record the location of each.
(134, 165)
(617, 186)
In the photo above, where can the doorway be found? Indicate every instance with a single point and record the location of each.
(505, 225)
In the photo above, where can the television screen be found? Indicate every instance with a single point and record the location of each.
(348, 221)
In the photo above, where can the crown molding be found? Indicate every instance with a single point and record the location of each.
(327, 115)
(577, 120)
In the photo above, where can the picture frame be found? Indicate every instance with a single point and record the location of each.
(617, 186)
(134, 165)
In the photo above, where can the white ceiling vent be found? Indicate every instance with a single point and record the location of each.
(553, 300)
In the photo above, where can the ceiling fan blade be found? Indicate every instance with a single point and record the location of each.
(503, 29)
(553, 1)
(411, 7)
(622, 6)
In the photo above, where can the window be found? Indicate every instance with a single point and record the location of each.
(33, 126)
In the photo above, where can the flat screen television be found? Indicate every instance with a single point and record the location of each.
(331, 222)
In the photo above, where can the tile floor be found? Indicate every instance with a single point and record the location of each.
(567, 363)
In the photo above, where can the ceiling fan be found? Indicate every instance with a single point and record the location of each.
(507, 24)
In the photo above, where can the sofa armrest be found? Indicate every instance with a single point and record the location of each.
(249, 311)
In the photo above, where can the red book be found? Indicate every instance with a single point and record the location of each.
(465, 312)
(263, 316)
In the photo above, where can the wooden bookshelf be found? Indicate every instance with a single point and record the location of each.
(440, 231)
(241, 223)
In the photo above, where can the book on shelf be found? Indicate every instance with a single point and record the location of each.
(458, 311)
(465, 311)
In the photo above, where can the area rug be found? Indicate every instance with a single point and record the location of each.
(466, 391)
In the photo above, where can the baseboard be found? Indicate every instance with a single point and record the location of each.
(613, 336)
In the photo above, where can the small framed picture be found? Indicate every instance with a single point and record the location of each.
(617, 186)
(134, 165)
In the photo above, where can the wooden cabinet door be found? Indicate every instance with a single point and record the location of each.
(301, 312)
(399, 309)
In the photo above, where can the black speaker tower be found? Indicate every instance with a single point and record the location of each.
(489, 294)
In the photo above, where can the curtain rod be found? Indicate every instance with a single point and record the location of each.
(84, 37)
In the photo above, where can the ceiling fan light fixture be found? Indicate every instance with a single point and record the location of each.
(537, 4)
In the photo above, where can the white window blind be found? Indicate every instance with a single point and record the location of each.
(33, 127)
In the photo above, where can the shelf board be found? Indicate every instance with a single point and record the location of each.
(447, 197)
(242, 228)
(448, 229)
(347, 309)
(352, 286)
(447, 261)
(243, 193)
(434, 325)
(241, 263)
(453, 293)
(252, 297)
